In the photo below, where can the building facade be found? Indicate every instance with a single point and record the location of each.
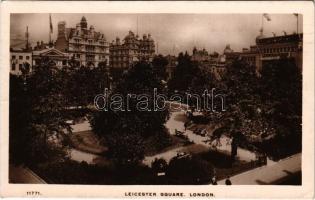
(213, 63)
(171, 66)
(131, 49)
(268, 49)
(20, 59)
(230, 55)
(84, 44)
(274, 48)
(251, 56)
(56, 57)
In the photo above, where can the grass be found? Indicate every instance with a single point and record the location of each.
(195, 149)
(88, 142)
(174, 143)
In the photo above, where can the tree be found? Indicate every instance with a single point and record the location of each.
(82, 84)
(37, 121)
(201, 82)
(281, 83)
(264, 112)
(240, 85)
(189, 170)
(135, 125)
(18, 121)
(183, 75)
(159, 64)
(159, 165)
(25, 69)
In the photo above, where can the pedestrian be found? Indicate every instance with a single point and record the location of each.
(228, 181)
(214, 181)
(265, 158)
(185, 125)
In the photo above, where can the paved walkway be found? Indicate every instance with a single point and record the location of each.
(173, 123)
(84, 126)
(18, 174)
(268, 174)
(176, 121)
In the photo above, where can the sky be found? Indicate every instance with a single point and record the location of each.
(173, 33)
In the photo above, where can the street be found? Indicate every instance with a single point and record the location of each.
(271, 174)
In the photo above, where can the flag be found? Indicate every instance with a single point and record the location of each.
(267, 16)
(50, 24)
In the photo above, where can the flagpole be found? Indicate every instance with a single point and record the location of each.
(26, 34)
(262, 23)
(49, 29)
(137, 25)
(297, 23)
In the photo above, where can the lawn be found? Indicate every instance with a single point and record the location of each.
(175, 142)
(87, 141)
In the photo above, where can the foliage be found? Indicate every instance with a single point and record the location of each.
(72, 172)
(264, 111)
(18, 121)
(125, 147)
(282, 98)
(159, 165)
(189, 170)
(37, 121)
(126, 131)
(184, 73)
(159, 66)
(83, 84)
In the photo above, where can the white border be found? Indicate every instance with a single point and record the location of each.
(305, 8)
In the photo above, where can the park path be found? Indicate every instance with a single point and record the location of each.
(167, 156)
(176, 121)
(80, 127)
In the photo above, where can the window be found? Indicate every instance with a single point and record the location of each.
(20, 66)
(13, 67)
(27, 57)
(20, 57)
(13, 57)
(78, 55)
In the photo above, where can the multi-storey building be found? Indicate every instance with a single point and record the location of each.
(213, 63)
(124, 53)
(230, 55)
(20, 59)
(200, 55)
(268, 49)
(84, 44)
(250, 56)
(274, 48)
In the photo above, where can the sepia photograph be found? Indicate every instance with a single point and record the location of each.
(155, 99)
